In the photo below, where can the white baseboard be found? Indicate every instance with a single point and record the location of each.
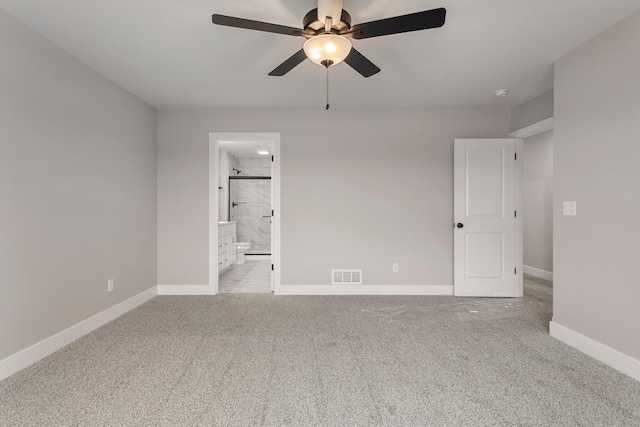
(607, 355)
(185, 290)
(542, 274)
(364, 290)
(20, 360)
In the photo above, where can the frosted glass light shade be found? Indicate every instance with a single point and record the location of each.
(325, 47)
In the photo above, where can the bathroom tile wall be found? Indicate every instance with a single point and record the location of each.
(251, 167)
(233, 165)
(253, 197)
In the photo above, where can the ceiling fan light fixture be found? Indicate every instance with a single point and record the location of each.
(327, 47)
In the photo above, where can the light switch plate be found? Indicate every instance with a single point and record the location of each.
(569, 208)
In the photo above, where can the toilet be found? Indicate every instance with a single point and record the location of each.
(241, 249)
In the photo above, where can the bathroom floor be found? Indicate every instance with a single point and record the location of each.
(252, 277)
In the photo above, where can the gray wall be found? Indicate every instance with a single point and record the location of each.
(360, 189)
(537, 221)
(77, 190)
(532, 111)
(596, 154)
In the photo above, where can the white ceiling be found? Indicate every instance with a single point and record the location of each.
(171, 55)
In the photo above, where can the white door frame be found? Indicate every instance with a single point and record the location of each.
(534, 129)
(214, 138)
(519, 143)
(521, 134)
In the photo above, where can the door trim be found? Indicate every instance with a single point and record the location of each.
(519, 260)
(534, 129)
(521, 135)
(214, 138)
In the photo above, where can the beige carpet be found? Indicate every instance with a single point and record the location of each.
(240, 360)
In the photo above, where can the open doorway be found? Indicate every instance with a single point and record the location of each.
(244, 223)
(537, 215)
(246, 197)
(538, 205)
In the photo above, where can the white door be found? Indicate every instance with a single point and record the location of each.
(484, 217)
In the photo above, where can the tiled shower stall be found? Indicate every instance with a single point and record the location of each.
(250, 201)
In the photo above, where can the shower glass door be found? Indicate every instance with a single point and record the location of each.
(250, 207)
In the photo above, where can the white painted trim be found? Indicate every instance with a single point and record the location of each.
(607, 355)
(519, 260)
(276, 181)
(520, 135)
(185, 290)
(542, 274)
(24, 358)
(214, 165)
(214, 138)
(446, 290)
(534, 129)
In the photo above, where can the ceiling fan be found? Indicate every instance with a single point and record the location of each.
(328, 30)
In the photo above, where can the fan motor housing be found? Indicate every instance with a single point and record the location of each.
(311, 23)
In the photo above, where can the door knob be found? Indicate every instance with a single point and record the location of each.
(459, 225)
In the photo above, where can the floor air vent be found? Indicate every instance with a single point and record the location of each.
(346, 277)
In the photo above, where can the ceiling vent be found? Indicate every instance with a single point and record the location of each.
(346, 277)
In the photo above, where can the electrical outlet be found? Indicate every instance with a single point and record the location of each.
(109, 285)
(569, 208)
(395, 267)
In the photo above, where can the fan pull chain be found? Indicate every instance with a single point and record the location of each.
(327, 63)
(327, 88)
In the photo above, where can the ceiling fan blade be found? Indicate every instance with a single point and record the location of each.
(332, 8)
(248, 24)
(358, 62)
(289, 64)
(400, 24)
